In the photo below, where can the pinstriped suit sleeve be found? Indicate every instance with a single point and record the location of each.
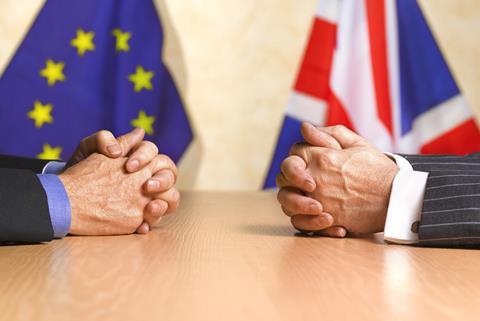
(451, 207)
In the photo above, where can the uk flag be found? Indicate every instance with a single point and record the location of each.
(375, 67)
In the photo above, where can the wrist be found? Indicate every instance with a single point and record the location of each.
(68, 183)
(391, 172)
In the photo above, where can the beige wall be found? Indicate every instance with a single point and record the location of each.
(235, 62)
(456, 25)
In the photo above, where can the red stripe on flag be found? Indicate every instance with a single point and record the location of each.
(336, 114)
(378, 50)
(314, 74)
(464, 139)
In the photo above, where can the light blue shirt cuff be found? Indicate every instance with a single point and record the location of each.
(53, 167)
(58, 204)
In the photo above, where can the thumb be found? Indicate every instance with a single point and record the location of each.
(102, 142)
(130, 140)
(314, 136)
(344, 136)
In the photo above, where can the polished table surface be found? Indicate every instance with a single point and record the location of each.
(234, 256)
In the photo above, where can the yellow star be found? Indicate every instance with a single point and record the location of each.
(50, 153)
(41, 114)
(122, 40)
(142, 79)
(144, 121)
(83, 42)
(53, 72)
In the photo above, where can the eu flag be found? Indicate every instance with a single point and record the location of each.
(87, 65)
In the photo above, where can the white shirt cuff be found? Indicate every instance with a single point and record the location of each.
(406, 200)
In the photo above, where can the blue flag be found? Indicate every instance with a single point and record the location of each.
(87, 65)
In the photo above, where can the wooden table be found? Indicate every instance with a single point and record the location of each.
(234, 256)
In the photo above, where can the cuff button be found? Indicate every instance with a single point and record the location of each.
(414, 227)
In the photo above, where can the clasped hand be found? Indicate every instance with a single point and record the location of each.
(118, 186)
(335, 182)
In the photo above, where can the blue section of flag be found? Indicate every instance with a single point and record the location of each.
(425, 79)
(97, 93)
(289, 135)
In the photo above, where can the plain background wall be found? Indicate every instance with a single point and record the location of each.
(235, 63)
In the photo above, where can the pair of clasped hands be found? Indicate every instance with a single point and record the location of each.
(118, 185)
(335, 183)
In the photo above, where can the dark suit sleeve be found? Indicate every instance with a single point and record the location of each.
(451, 207)
(24, 215)
(35, 165)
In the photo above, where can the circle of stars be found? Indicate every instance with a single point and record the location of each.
(54, 72)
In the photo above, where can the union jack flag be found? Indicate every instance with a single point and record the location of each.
(375, 67)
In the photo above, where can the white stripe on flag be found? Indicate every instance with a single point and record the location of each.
(306, 108)
(352, 78)
(329, 10)
(434, 123)
(393, 65)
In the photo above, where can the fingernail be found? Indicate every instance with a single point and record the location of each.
(143, 228)
(146, 227)
(315, 207)
(114, 149)
(154, 207)
(153, 184)
(157, 209)
(132, 165)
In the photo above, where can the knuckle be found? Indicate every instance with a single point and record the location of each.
(284, 165)
(285, 211)
(327, 158)
(300, 152)
(98, 157)
(82, 147)
(176, 197)
(281, 196)
(173, 205)
(157, 210)
(287, 168)
(279, 181)
(123, 141)
(323, 159)
(151, 146)
(292, 168)
(172, 198)
(132, 227)
(84, 140)
(103, 135)
(296, 148)
(296, 223)
(168, 179)
(168, 162)
(338, 129)
(163, 159)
